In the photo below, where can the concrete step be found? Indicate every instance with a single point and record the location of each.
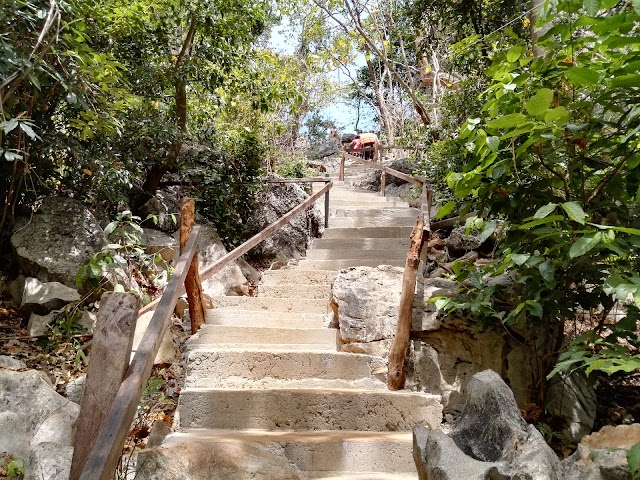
(320, 291)
(293, 305)
(366, 205)
(368, 232)
(362, 244)
(318, 454)
(332, 254)
(288, 276)
(353, 262)
(387, 213)
(363, 221)
(241, 368)
(260, 318)
(224, 334)
(307, 409)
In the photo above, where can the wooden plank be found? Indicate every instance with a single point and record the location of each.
(298, 180)
(253, 241)
(108, 363)
(383, 183)
(107, 449)
(341, 175)
(192, 284)
(396, 371)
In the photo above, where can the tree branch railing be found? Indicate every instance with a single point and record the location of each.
(112, 419)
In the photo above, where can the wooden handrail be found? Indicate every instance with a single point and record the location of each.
(107, 449)
(299, 180)
(252, 242)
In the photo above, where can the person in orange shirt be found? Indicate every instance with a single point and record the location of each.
(369, 140)
(356, 145)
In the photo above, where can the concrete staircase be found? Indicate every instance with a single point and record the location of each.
(265, 370)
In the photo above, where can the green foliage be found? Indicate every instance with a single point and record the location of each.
(15, 469)
(555, 152)
(633, 460)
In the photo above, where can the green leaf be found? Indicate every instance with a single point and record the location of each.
(519, 258)
(636, 6)
(26, 128)
(575, 212)
(539, 104)
(446, 209)
(507, 121)
(487, 231)
(626, 81)
(547, 270)
(540, 221)
(535, 308)
(633, 455)
(584, 244)
(582, 76)
(545, 211)
(493, 143)
(109, 229)
(591, 7)
(559, 114)
(514, 53)
(9, 125)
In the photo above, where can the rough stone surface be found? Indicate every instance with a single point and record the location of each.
(229, 280)
(573, 401)
(326, 149)
(49, 461)
(43, 298)
(39, 324)
(459, 241)
(75, 388)
(32, 412)
(602, 455)
(11, 363)
(292, 240)
(165, 206)
(213, 461)
(489, 441)
(168, 351)
(59, 238)
(88, 320)
(157, 242)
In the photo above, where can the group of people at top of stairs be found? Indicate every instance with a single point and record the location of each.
(362, 144)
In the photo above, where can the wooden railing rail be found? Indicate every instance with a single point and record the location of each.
(309, 180)
(253, 241)
(103, 459)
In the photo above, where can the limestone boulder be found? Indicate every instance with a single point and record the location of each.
(292, 240)
(49, 461)
(572, 401)
(489, 441)
(229, 280)
(33, 413)
(164, 207)
(40, 324)
(43, 298)
(213, 460)
(602, 455)
(157, 242)
(11, 363)
(459, 241)
(168, 351)
(57, 240)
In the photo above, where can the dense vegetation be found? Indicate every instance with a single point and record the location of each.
(529, 112)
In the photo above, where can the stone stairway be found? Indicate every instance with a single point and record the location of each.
(265, 380)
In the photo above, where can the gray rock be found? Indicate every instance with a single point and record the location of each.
(49, 461)
(156, 242)
(88, 321)
(573, 401)
(165, 208)
(490, 440)
(39, 324)
(75, 388)
(292, 240)
(229, 280)
(43, 298)
(168, 351)
(32, 412)
(459, 241)
(326, 149)
(11, 363)
(15, 288)
(57, 241)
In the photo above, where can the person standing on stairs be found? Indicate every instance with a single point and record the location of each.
(369, 140)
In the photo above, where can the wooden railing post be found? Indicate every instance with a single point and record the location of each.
(421, 233)
(341, 176)
(109, 360)
(326, 205)
(192, 282)
(383, 182)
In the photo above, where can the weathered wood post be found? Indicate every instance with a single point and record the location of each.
(383, 182)
(341, 176)
(109, 361)
(326, 204)
(192, 282)
(421, 233)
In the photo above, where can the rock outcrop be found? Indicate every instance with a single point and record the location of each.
(57, 240)
(42, 298)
